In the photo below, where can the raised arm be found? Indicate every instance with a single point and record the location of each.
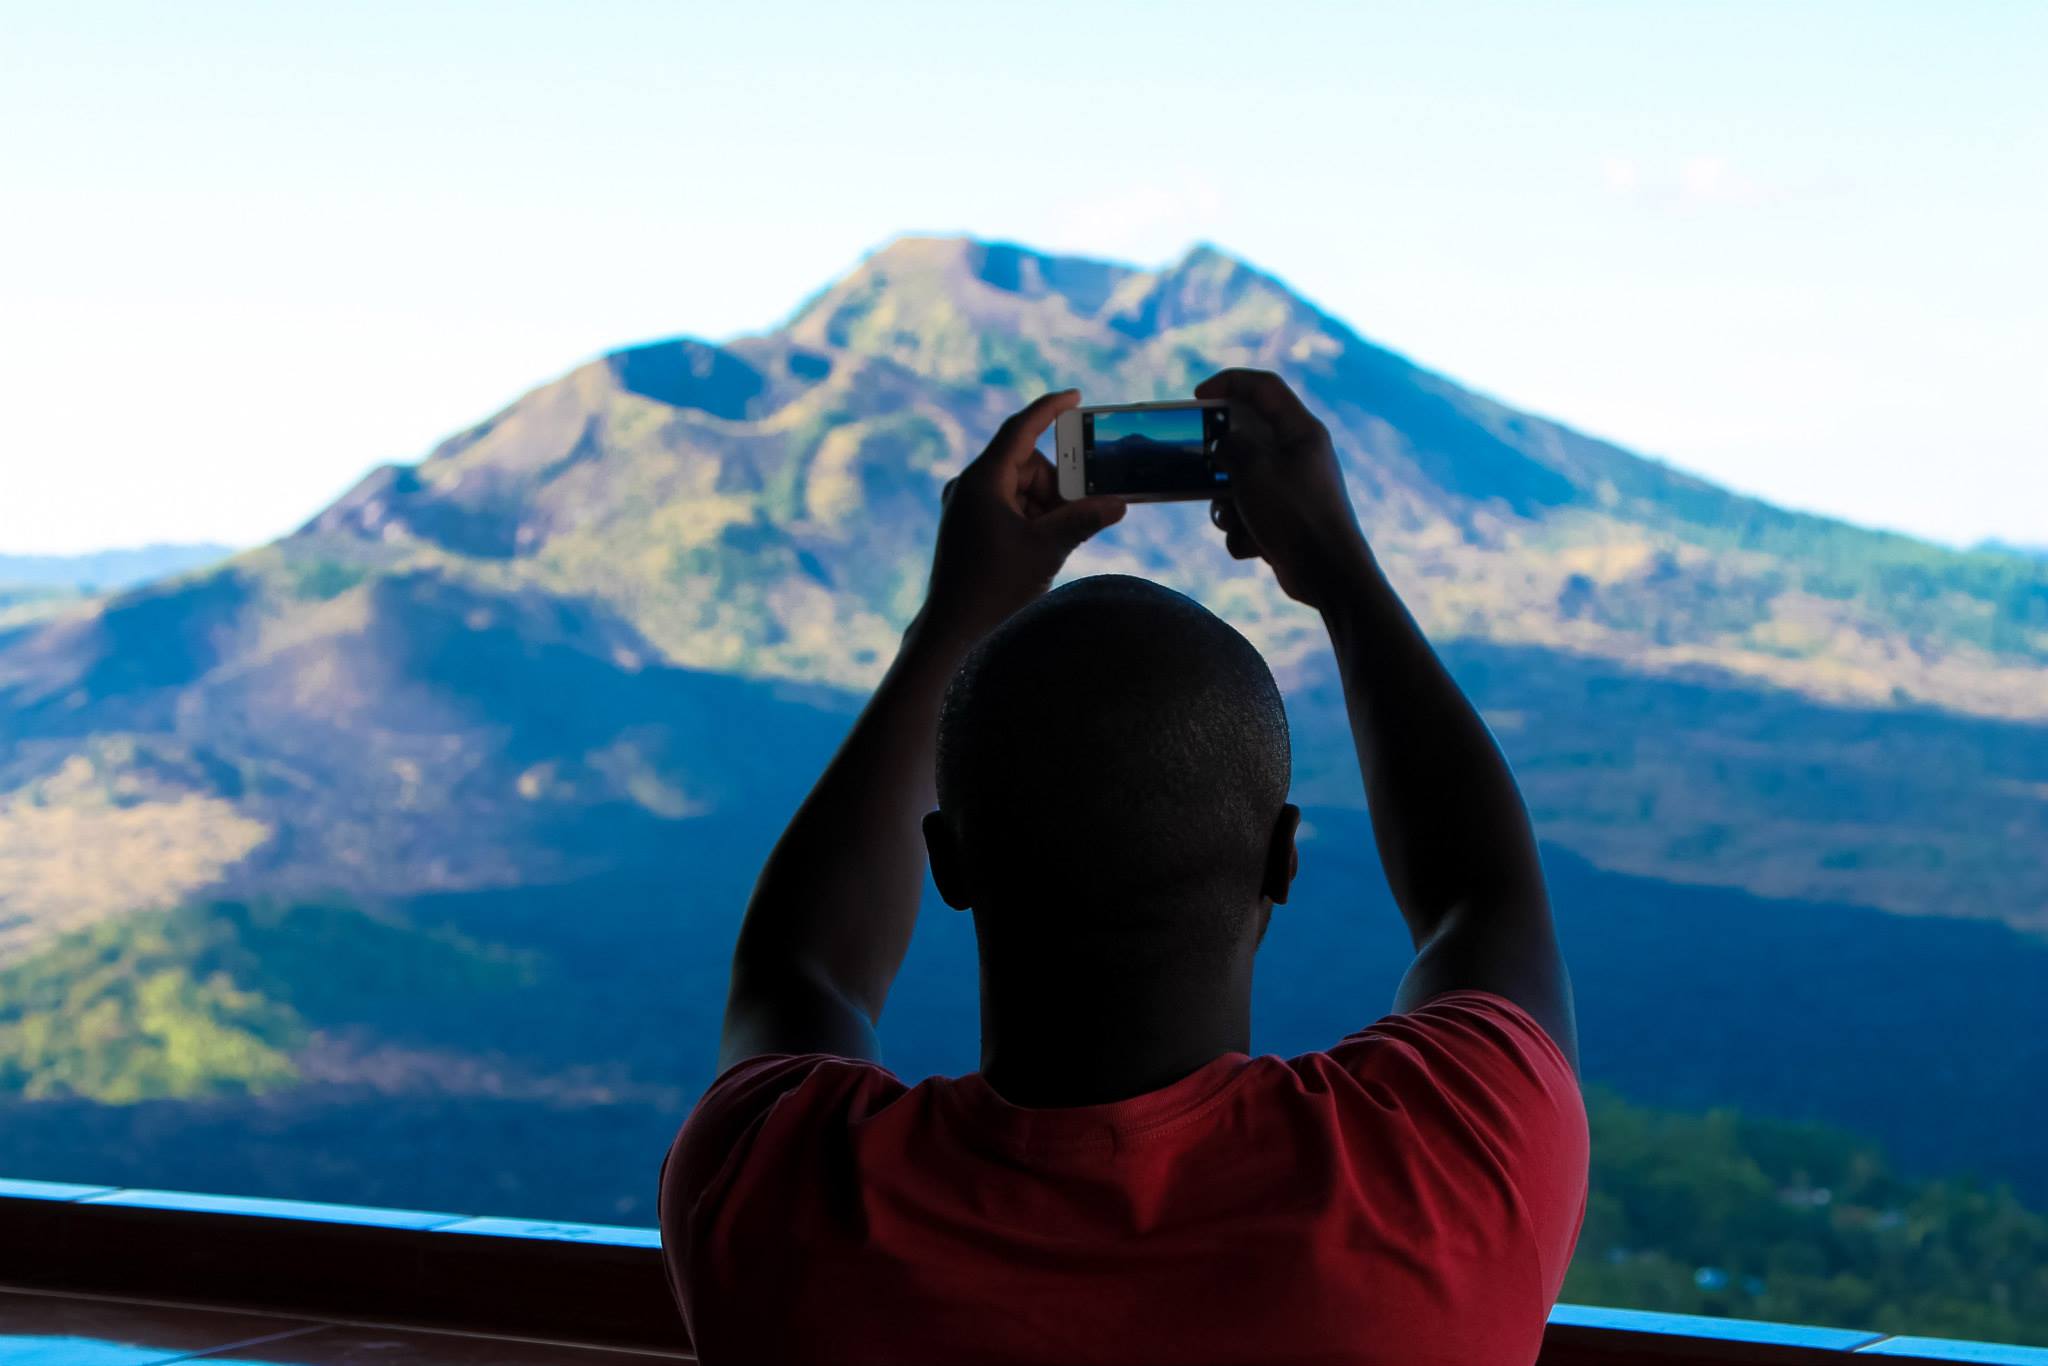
(831, 915)
(1453, 834)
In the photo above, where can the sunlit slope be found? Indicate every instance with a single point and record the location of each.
(574, 626)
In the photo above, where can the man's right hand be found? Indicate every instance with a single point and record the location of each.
(1288, 504)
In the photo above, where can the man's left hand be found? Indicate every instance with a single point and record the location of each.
(1004, 533)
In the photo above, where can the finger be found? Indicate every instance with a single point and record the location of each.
(1233, 452)
(1040, 482)
(1072, 523)
(1017, 439)
(1266, 394)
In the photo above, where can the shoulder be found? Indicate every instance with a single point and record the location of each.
(1494, 1100)
(1476, 1029)
(1477, 1063)
(762, 1099)
(1488, 1097)
(757, 1109)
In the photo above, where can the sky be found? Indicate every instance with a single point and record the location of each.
(249, 251)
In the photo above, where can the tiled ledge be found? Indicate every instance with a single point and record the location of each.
(603, 1283)
(1588, 1333)
(596, 1284)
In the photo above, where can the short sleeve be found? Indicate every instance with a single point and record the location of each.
(1499, 1078)
(723, 1131)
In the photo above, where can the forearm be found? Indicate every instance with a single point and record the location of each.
(1448, 819)
(839, 895)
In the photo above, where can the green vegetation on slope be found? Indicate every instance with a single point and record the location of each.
(1730, 1215)
(213, 1000)
(1932, 596)
(140, 1009)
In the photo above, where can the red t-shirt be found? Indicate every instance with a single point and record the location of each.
(1409, 1197)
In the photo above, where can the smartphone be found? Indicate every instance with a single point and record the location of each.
(1146, 452)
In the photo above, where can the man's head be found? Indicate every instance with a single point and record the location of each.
(1112, 775)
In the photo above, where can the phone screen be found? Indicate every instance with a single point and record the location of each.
(1153, 450)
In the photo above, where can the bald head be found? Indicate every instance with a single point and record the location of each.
(1112, 761)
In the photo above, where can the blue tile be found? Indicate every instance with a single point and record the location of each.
(29, 1349)
(617, 1235)
(275, 1209)
(47, 1190)
(1947, 1349)
(65, 1330)
(350, 1345)
(1713, 1329)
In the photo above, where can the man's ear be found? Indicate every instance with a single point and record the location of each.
(1282, 862)
(949, 862)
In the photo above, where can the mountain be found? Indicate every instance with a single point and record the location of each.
(508, 730)
(359, 708)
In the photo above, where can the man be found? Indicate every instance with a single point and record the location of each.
(1120, 1182)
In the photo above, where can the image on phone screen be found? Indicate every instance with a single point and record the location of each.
(1154, 450)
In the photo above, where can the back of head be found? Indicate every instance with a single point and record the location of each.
(1112, 760)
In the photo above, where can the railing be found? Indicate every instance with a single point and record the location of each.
(604, 1284)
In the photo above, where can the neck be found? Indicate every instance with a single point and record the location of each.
(1074, 1034)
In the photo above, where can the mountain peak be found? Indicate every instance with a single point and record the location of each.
(1207, 256)
(912, 253)
(935, 303)
(1208, 285)
(1205, 280)
(963, 269)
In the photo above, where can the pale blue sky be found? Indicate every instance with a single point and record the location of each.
(247, 251)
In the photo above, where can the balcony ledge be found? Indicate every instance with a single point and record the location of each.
(603, 1285)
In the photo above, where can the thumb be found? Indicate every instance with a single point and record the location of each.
(1234, 453)
(1072, 523)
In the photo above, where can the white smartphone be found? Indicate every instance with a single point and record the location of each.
(1146, 452)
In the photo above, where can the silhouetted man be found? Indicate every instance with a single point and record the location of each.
(1121, 1182)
